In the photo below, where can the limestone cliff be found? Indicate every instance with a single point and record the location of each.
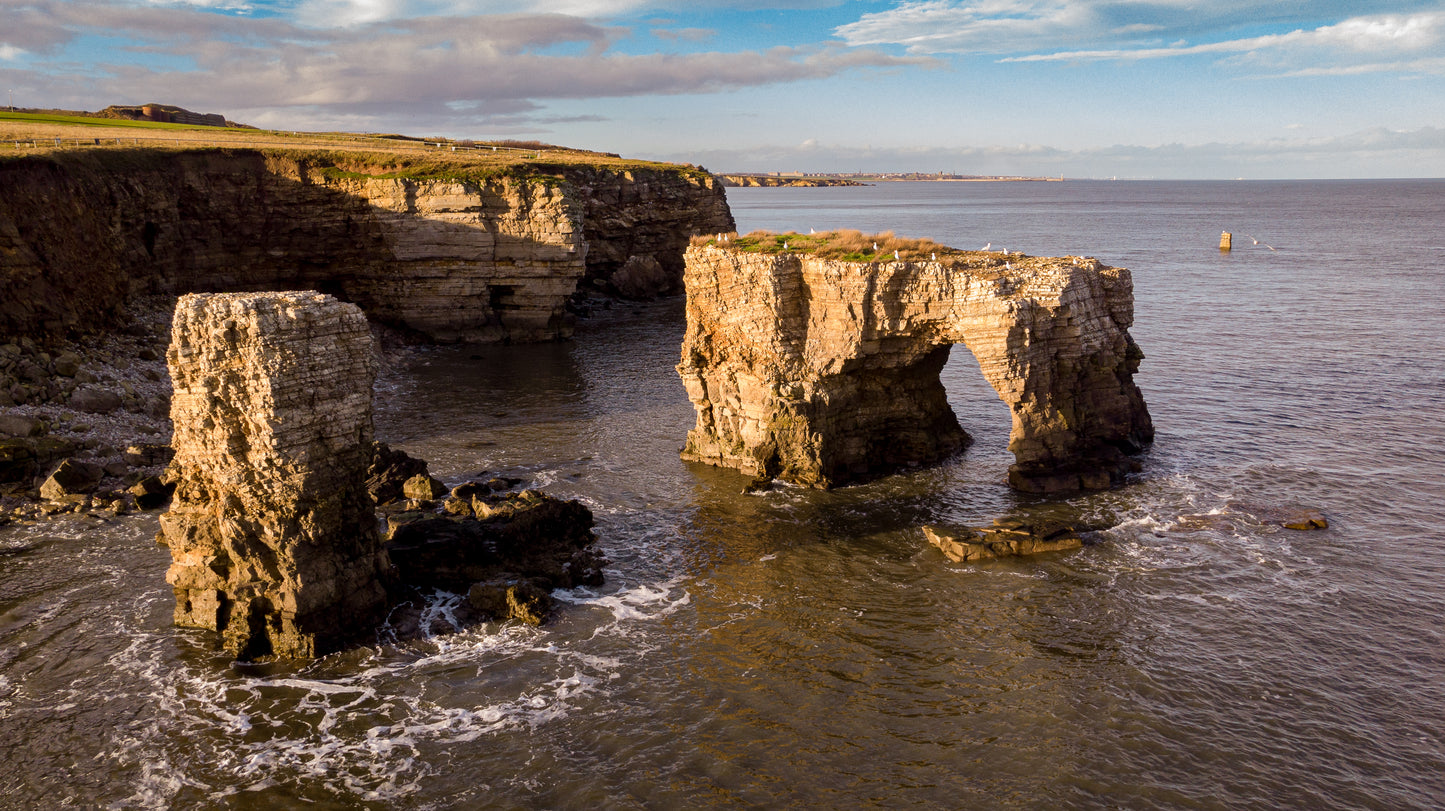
(821, 372)
(469, 257)
(272, 533)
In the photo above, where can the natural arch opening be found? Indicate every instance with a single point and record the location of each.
(977, 407)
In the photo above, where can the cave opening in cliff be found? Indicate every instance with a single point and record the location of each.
(502, 297)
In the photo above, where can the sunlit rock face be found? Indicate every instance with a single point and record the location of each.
(822, 372)
(272, 532)
(486, 259)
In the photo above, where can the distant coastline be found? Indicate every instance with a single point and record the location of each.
(796, 179)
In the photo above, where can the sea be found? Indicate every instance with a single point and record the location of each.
(809, 649)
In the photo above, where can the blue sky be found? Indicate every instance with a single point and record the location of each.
(1082, 88)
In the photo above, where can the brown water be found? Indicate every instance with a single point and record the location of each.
(808, 649)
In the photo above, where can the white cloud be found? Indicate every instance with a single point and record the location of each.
(1389, 34)
(10, 53)
(494, 65)
(986, 26)
(343, 13)
(1133, 30)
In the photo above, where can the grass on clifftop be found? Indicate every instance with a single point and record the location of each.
(844, 245)
(335, 155)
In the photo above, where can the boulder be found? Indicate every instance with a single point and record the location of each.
(66, 364)
(21, 425)
(389, 471)
(21, 459)
(72, 482)
(505, 599)
(94, 400)
(149, 454)
(422, 487)
(641, 278)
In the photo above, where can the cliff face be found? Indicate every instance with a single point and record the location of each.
(822, 372)
(645, 213)
(482, 260)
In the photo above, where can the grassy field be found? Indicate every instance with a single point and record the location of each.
(85, 121)
(334, 154)
(845, 245)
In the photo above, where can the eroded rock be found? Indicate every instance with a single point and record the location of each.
(529, 536)
(272, 532)
(822, 372)
(1009, 537)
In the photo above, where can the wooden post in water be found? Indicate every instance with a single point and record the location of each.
(1224, 240)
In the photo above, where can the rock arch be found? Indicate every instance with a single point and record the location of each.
(823, 372)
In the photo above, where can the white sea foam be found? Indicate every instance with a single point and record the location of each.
(362, 733)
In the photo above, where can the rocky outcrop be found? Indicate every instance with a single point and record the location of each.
(479, 257)
(822, 372)
(506, 557)
(273, 529)
(272, 534)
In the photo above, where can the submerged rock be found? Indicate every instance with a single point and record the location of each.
(1245, 513)
(1009, 537)
(1306, 520)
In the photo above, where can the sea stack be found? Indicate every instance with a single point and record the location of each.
(821, 371)
(272, 533)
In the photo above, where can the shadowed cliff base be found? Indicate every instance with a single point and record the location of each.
(814, 359)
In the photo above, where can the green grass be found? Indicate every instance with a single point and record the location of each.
(844, 245)
(86, 121)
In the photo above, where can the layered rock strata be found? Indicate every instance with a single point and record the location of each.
(482, 258)
(272, 533)
(822, 372)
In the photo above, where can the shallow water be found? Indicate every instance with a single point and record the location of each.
(799, 648)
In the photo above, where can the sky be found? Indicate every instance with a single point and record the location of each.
(1079, 88)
